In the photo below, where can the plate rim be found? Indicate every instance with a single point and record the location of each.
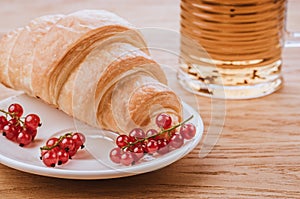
(141, 168)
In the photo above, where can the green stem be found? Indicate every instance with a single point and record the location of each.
(161, 132)
(56, 143)
(12, 115)
(6, 113)
(173, 127)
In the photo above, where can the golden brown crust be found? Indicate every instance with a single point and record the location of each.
(152, 98)
(74, 32)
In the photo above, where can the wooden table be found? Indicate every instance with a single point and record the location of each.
(257, 154)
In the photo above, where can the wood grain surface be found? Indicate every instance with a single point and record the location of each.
(257, 154)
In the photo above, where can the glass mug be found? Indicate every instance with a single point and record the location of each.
(232, 48)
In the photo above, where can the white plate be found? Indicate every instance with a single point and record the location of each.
(93, 161)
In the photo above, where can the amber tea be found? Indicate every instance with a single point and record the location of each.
(232, 48)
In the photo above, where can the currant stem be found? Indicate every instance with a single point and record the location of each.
(12, 115)
(159, 133)
(56, 143)
(173, 127)
(7, 113)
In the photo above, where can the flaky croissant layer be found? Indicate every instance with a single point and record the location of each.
(91, 64)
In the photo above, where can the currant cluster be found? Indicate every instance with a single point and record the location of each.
(60, 150)
(16, 128)
(131, 148)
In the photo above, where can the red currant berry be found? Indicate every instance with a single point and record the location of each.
(32, 121)
(144, 146)
(16, 109)
(32, 132)
(24, 139)
(164, 121)
(62, 157)
(138, 152)
(163, 147)
(137, 133)
(122, 140)
(14, 121)
(138, 149)
(79, 139)
(151, 133)
(43, 152)
(10, 131)
(126, 158)
(56, 149)
(115, 155)
(67, 144)
(72, 152)
(188, 131)
(51, 142)
(176, 141)
(3, 122)
(50, 158)
(152, 146)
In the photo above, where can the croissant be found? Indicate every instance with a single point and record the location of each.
(92, 65)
